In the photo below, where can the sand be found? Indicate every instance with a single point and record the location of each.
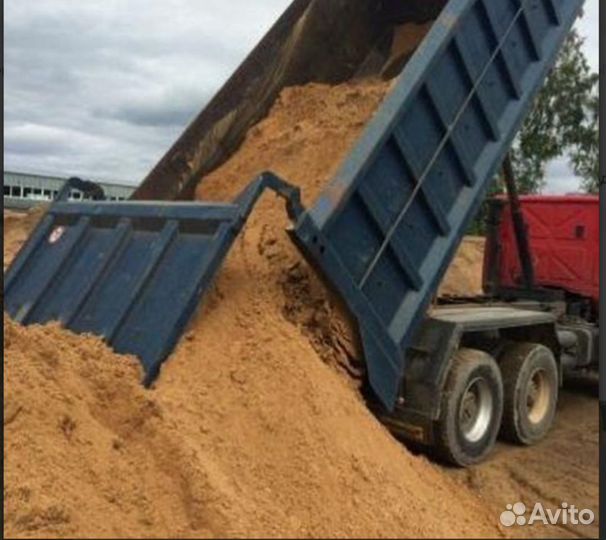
(464, 275)
(17, 226)
(82, 453)
(250, 430)
(304, 139)
(227, 444)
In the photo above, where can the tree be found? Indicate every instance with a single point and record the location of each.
(586, 156)
(563, 122)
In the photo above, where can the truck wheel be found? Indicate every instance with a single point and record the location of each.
(471, 408)
(530, 382)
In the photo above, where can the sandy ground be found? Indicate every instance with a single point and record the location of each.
(562, 468)
(255, 426)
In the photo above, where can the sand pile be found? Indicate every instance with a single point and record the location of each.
(464, 276)
(247, 433)
(84, 452)
(249, 430)
(304, 139)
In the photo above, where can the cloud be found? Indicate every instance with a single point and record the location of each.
(102, 88)
(561, 180)
(164, 108)
(34, 138)
(588, 27)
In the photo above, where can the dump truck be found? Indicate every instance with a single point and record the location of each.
(382, 234)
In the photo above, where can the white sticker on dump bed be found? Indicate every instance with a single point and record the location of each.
(56, 235)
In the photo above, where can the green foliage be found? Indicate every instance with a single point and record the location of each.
(478, 225)
(586, 157)
(564, 121)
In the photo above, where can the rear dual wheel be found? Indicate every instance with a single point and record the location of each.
(516, 398)
(530, 383)
(471, 408)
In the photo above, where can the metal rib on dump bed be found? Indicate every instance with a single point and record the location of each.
(387, 227)
(131, 273)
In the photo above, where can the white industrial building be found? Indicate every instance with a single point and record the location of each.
(24, 190)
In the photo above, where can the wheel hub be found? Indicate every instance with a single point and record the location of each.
(538, 396)
(476, 409)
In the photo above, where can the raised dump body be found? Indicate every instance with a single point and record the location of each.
(386, 229)
(387, 226)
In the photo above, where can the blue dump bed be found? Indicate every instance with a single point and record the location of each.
(386, 229)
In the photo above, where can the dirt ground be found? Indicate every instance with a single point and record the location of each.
(562, 468)
(255, 426)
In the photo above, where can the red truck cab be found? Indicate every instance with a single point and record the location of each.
(564, 237)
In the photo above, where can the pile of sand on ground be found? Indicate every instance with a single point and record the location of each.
(249, 431)
(86, 450)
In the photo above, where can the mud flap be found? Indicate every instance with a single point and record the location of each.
(382, 374)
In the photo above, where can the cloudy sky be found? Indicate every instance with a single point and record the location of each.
(102, 88)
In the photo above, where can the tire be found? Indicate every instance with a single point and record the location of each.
(471, 409)
(530, 385)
